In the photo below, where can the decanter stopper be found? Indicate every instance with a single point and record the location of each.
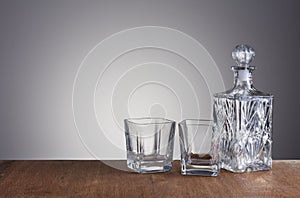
(243, 55)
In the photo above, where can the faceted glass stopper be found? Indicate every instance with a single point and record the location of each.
(243, 55)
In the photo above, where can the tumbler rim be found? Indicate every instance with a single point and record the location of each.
(199, 121)
(147, 119)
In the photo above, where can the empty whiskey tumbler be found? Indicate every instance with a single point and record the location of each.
(149, 144)
(199, 150)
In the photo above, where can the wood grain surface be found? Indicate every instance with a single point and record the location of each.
(96, 179)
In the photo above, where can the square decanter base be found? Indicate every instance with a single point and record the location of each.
(248, 168)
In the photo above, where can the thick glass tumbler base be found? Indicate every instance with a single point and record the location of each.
(202, 170)
(153, 165)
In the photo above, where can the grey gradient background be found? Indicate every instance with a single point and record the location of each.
(42, 43)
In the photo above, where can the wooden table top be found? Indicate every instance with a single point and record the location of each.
(96, 179)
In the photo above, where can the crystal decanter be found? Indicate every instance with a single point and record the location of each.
(243, 119)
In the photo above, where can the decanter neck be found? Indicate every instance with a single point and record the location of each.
(243, 76)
